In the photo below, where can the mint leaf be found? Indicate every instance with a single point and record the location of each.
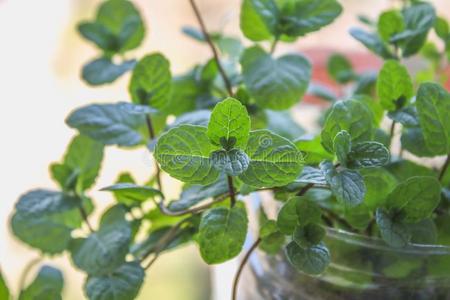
(48, 284)
(103, 70)
(379, 184)
(394, 85)
(81, 164)
(99, 34)
(272, 240)
(372, 42)
(184, 153)
(312, 260)
(274, 161)
(395, 233)
(133, 192)
(229, 122)
(222, 233)
(259, 19)
(123, 283)
(4, 290)
(442, 28)
(390, 23)
(275, 83)
(342, 146)
(151, 81)
(309, 235)
(287, 218)
(311, 175)
(233, 162)
(110, 124)
(352, 116)
(433, 105)
(307, 211)
(407, 116)
(347, 185)
(415, 199)
(404, 169)
(283, 124)
(368, 154)
(340, 68)
(413, 140)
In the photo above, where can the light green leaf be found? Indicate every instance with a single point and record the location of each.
(222, 233)
(103, 70)
(394, 85)
(309, 235)
(48, 284)
(313, 260)
(272, 240)
(229, 124)
(274, 161)
(4, 291)
(110, 124)
(184, 153)
(395, 233)
(379, 183)
(390, 23)
(275, 83)
(433, 106)
(415, 199)
(133, 191)
(347, 185)
(151, 81)
(372, 42)
(123, 283)
(342, 146)
(258, 19)
(307, 211)
(442, 28)
(340, 68)
(350, 115)
(313, 149)
(368, 154)
(287, 218)
(233, 162)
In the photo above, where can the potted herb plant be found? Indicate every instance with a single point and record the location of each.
(346, 216)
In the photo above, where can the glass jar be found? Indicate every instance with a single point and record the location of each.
(361, 268)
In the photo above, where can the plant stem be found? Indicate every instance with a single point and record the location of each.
(213, 48)
(444, 168)
(84, 215)
(151, 132)
(274, 45)
(340, 220)
(241, 267)
(231, 190)
(392, 132)
(164, 210)
(26, 270)
(305, 189)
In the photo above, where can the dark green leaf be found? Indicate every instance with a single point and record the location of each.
(404, 169)
(311, 175)
(194, 33)
(282, 123)
(103, 70)
(48, 284)
(340, 68)
(396, 234)
(423, 232)
(259, 19)
(99, 35)
(372, 42)
(342, 146)
(407, 116)
(307, 211)
(413, 141)
(368, 154)
(313, 260)
(233, 162)
(287, 218)
(272, 240)
(133, 191)
(309, 235)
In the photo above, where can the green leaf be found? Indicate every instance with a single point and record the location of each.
(81, 164)
(194, 33)
(123, 283)
(423, 232)
(233, 162)
(48, 284)
(307, 211)
(394, 85)
(287, 218)
(123, 20)
(413, 141)
(104, 250)
(415, 199)
(433, 105)
(133, 191)
(358, 217)
(229, 123)
(313, 149)
(99, 35)
(340, 68)
(222, 233)
(274, 161)
(395, 233)
(151, 81)
(4, 291)
(350, 115)
(283, 124)
(368, 154)
(404, 169)
(309, 235)
(184, 153)
(110, 124)
(103, 70)
(272, 240)
(342, 146)
(442, 28)
(312, 260)
(275, 83)
(372, 42)
(258, 19)
(184, 95)
(407, 116)
(347, 185)
(379, 184)
(390, 23)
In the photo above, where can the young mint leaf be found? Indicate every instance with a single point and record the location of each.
(287, 218)
(222, 233)
(110, 124)
(390, 23)
(347, 185)
(415, 199)
(395, 233)
(342, 146)
(100, 35)
(413, 140)
(103, 70)
(339, 68)
(123, 283)
(133, 191)
(272, 240)
(433, 105)
(310, 175)
(233, 162)
(372, 42)
(274, 161)
(307, 211)
(312, 260)
(379, 184)
(275, 83)
(151, 81)
(184, 153)
(81, 164)
(259, 19)
(309, 235)
(48, 284)
(4, 290)
(352, 116)
(394, 85)
(407, 116)
(313, 149)
(229, 120)
(368, 154)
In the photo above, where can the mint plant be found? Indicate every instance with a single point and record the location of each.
(224, 131)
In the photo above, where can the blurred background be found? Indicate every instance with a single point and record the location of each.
(41, 55)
